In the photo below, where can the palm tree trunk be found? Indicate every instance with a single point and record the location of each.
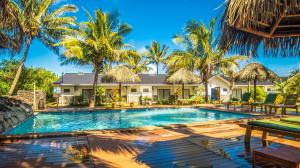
(248, 86)
(20, 67)
(120, 91)
(93, 99)
(254, 83)
(157, 68)
(182, 92)
(206, 90)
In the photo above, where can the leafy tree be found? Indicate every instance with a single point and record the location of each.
(200, 52)
(156, 53)
(42, 78)
(96, 42)
(37, 21)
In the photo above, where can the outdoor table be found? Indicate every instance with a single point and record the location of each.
(283, 156)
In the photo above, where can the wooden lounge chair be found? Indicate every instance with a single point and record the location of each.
(245, 101)
(269, 126)
(270, 99)
(290, 102)
(193, 100)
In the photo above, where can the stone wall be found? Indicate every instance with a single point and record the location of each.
(27, 96)
(12, 112)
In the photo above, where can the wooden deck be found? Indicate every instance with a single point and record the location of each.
(215, 145)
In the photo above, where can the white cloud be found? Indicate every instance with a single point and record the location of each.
(152, 69)
(142, 51)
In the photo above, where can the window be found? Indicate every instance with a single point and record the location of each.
(237, 93)
(66, 90)
(146, 90)
(133, 90)
(269, 90)
(224, 89)
(164, 94)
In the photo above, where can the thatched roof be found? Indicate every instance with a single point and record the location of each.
(274, 23)
(256, 71)
(183, 76)
(121, 74)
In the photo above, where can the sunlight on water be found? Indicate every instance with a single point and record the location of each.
(114, 119)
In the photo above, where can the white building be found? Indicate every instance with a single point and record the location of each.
(154, 86)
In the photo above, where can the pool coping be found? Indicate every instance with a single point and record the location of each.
(132, 130)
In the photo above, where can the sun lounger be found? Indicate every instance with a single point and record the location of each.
(291, 120)
(245, 101)
(270, 99)
(290, 102)
(270, 126)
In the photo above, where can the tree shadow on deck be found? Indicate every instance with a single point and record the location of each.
(207, 145)
(45, 152)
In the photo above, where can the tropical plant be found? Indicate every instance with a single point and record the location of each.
(137, 63)
(280, 86)
(200, 52)
(37, 21)
(260, 94)
(294, 72)
(156, 54)
(293, 85)
(97, 42)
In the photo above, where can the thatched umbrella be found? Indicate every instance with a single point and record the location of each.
(121, 74)
(256, 72)
(183, 76)
(274, 23)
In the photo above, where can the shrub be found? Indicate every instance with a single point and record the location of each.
(163, 101)
(260, 93)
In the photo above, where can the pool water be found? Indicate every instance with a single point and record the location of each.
(47, 122)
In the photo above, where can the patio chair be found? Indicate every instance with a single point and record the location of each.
(290, 102)
(270, 99)
(244, 101)
(193, 100)
(270, 126)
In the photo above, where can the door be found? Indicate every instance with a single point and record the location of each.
(86, 95)
(186, 93)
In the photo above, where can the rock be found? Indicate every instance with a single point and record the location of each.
(12, 112)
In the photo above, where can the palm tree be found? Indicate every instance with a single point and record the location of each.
(156, 53)
(10, 32)
(96, 42)
(201, 53)
(137, 63)
(37, 21)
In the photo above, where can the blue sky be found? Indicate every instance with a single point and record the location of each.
(151, 20)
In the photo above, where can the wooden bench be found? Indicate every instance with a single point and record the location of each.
(283, 156)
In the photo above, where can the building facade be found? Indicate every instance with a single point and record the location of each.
(79, 85)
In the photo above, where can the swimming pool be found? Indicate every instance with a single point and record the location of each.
(47, 122)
